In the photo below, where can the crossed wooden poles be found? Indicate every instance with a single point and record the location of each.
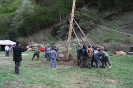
(71, 28)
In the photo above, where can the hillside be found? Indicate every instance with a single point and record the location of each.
(26, 16)
(113, 33)
(33, 20)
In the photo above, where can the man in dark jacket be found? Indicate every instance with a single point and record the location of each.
(17, 56)
(83, 54)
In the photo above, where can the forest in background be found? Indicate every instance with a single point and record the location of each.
(21, 18)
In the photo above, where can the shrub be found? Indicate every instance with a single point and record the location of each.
(127, 40)
(12, 35)
(108, 40)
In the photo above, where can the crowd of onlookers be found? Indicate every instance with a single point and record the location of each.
(93, 56)
(90, 56)
(9, 50)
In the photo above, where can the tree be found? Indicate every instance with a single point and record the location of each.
(12, 35)
(22, 20)
(4, 24)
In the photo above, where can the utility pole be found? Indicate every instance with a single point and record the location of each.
(70, 29)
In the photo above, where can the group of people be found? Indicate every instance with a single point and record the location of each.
(93, 56)
(51, 54)
(9, 50)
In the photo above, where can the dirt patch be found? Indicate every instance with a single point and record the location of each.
(22, 85)
(72, 60)
(4, 62)
(39, 86)
(112, 81)
(47, 63)
(78, 83)
(109, 78)
(103, 74)
(71, 57)
(39, 64)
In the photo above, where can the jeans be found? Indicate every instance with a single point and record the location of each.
(93, 62)
(97, 62)
(53, 63)
(47, 56)
(105, 60)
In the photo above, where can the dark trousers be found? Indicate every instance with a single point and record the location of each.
(105, 60)
(7, 53)
(89, 61)
(37, 55)
(92, 62)
(83, 60)
(17, 65)
(78, 60)
(47, 57)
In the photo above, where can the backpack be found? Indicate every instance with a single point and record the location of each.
(83, 52)
(89, 52)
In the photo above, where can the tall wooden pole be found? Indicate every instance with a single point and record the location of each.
(70, 29)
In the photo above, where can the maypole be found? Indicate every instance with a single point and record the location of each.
(70, 29)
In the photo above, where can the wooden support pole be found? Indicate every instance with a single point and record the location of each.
(76, 36)
(82, 32)
(70, 29)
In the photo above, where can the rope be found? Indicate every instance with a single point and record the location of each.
(82, 32)
(80, 37)
(76, 36)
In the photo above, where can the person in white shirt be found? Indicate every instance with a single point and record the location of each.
(7, 50)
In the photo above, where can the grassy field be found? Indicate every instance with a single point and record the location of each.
(37, 74)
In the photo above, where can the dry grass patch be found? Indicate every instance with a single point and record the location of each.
(112, 81)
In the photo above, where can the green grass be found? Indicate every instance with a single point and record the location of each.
(37, 74)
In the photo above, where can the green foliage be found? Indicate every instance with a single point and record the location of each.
(127, 40)
(22, 20)
(10, 6)
(123, 5)
(12, 35)
(110, 40)
(27, 19)
(5, 20)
